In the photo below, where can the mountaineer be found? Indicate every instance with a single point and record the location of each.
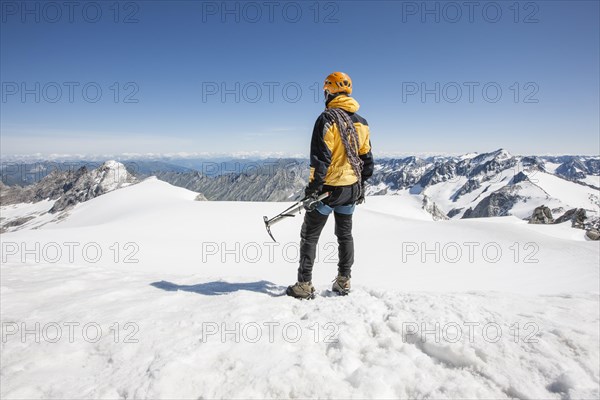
(340, 163)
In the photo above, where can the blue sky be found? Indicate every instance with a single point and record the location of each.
(175, 58)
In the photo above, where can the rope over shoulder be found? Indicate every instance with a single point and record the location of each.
(349, 139)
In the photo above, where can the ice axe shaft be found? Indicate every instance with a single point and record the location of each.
(291, 211)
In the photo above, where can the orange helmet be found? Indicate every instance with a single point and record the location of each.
(338, 82)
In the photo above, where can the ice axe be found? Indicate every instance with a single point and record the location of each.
(307, 202)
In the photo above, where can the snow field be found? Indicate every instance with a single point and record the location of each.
(187, 314)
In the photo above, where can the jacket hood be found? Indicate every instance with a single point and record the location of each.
(345, 103)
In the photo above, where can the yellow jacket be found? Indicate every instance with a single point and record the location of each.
(328, 162)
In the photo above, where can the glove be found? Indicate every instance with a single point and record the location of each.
(311, 193)
(312, 190)
(361, 197)
(310, 204)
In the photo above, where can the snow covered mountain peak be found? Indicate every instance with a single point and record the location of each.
(502, 154)
(111, 175)
(467, 156)
(62, 189)
(499, 155)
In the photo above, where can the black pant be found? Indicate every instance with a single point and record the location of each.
(313, 224)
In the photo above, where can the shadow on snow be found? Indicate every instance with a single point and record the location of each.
(221, 287)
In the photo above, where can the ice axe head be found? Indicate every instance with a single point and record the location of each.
(268, 227)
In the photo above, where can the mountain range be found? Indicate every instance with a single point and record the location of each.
(450, 187)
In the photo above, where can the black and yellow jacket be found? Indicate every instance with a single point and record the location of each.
(328, 162)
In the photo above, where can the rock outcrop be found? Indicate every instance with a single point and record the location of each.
(541, 215)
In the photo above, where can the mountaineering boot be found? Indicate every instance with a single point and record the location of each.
(301, 290)
(341, 285)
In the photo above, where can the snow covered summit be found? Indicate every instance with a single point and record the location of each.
(59, 191)
(156, 295)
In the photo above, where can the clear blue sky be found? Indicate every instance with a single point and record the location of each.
(179, 52)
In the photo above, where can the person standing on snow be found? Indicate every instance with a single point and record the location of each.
(340, 163)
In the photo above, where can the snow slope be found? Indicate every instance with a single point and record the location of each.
(571, 193)
(26, 209)
(543, 189)
(193, 290)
